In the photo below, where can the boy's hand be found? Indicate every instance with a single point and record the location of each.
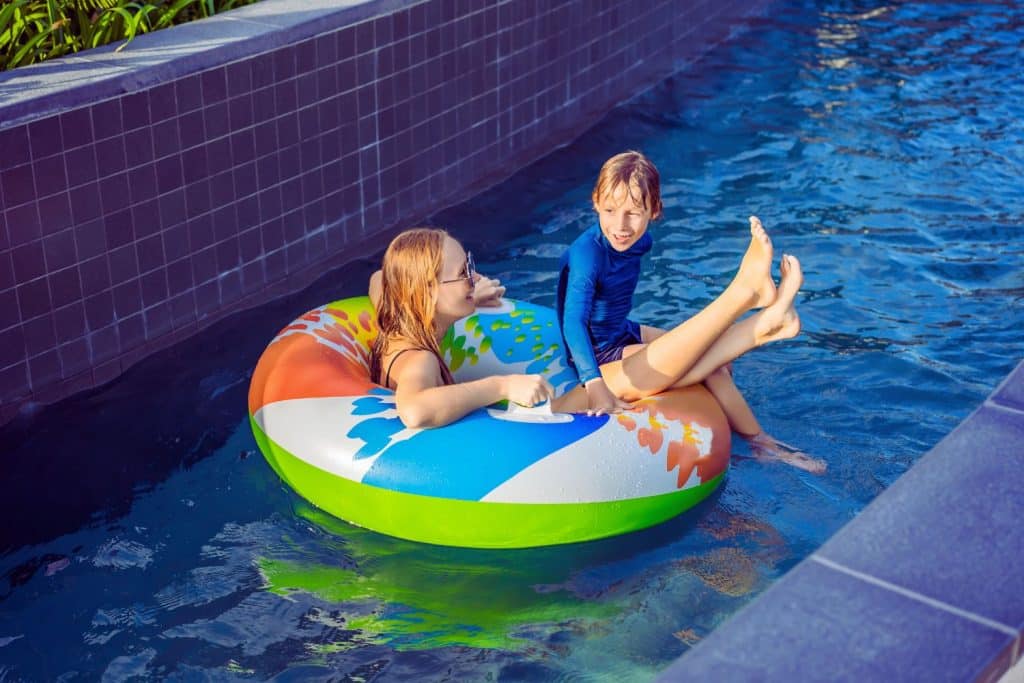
(601, 400)
(487, 291)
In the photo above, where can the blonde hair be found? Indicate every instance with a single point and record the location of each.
(636, 172)
(410, 276)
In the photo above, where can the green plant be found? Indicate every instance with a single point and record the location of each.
(35, 30)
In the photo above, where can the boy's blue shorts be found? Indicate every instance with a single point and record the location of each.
(612, 352)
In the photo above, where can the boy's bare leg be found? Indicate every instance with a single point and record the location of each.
(737, 410)
(665, 360)
(774, 323)
(777, 321)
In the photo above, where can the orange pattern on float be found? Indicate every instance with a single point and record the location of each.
(682, 454)
(324, 353)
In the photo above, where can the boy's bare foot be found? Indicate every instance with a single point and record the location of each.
(765, 447)
(780, 320)
(755, 269)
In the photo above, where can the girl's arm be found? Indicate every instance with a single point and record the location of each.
(423, 400)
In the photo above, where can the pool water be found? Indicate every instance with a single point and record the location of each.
(881, 144)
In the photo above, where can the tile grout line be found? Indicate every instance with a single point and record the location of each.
(919, 597)
(992, 403)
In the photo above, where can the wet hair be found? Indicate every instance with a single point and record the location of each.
(634, 171)
(410, 276)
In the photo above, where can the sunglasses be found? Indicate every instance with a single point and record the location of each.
(470, 271)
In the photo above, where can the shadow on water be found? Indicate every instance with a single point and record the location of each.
(84, 459)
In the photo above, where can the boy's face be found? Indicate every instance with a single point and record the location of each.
(623, 220)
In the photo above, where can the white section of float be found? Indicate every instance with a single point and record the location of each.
(315, 431)
(604, 466)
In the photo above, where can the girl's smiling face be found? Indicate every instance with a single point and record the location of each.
(623, 219)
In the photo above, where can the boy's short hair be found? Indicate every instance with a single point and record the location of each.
(633, 170)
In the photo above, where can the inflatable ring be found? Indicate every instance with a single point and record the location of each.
(491, 479)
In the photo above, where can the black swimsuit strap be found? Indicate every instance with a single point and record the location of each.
(387, 375)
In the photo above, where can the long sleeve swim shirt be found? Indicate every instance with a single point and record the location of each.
(595, 294)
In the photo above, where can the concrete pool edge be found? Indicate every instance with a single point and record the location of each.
(925, 582)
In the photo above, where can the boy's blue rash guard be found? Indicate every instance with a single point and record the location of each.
(595, 295)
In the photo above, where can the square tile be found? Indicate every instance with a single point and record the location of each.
(59, 250)
(14, 379)
(114, 193)
(169, 174)
(204, 265)
(165, 138)
(175, 240)
(40, 334)
(214, 85)
(15, 143)
(158, 320)
(163, 102)
(179, 277)
(172, 208)
(142, 182)
(199, 234)
(118, 229)
(94, 274)
(215, 120)
(154, 288)
(76, 128)
(192, 130)
(239, 77)
(43, 369)
(18, 185)
(45, 137)
(65, 287)
(127, 298)
(150, 253)
(106, 119)
(197, 198)
(29, 261)
(956, 508)
(69, 322)
(111, 156)
(135, 110)
(139, 147)
(81, 165)
(99, 310)
(188, 94)
(194, 165)
(75, 357)
(123, 263)
(131, 332)
(240, 111)
(146, 218)
(828, 626)
(33, 298)
(183, 309)
(12, 346)
(50, 176)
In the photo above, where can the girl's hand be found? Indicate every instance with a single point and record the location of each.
(487, 291)
(528, 390)
(601, 400)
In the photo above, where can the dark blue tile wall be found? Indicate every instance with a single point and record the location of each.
(137, 219)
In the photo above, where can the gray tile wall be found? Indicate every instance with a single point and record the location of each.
(145, 207)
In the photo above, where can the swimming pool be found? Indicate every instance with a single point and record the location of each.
(882, 146)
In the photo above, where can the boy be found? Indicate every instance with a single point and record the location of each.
(599, 274)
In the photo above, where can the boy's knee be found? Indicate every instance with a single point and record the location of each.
(719, 374)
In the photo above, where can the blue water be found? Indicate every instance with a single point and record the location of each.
(882, 144)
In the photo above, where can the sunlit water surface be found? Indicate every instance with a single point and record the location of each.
(882, 144)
